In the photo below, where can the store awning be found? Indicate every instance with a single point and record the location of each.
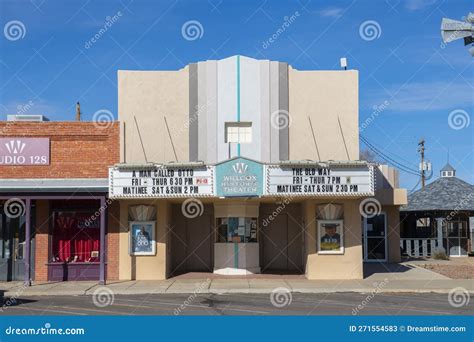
(87, 185)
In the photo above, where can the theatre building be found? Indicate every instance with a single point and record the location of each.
(53, 200)
(243, 166)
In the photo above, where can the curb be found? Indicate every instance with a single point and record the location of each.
(234, 291)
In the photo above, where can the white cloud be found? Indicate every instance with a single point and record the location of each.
(415, 5)
(425, 96)
(333, 12)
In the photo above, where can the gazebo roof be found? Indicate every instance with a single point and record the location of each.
(445, 193)
(447, 167)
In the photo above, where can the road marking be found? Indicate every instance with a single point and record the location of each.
(57, 311)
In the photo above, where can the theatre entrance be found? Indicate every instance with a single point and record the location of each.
(192, 236)
(281, 239)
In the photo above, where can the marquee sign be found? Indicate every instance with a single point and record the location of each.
(319, 181)
(161, 182)
(241, 177)
(24, 151)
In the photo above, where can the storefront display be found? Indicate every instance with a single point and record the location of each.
(76, 237)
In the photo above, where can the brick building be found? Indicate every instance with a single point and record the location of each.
(53, 188)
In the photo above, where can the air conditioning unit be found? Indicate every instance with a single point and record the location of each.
(26, 117)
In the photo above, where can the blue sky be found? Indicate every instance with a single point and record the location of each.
(405, 70)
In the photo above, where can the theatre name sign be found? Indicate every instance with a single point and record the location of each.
(241, 177)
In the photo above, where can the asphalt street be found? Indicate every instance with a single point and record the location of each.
(238, 304)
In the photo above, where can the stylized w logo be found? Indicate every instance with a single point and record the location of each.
(15, 146)
(240, 167)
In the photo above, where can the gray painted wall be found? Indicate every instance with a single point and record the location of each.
(214, 100)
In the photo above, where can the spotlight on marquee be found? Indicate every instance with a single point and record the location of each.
(452, 30)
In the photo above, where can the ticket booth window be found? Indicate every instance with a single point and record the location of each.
(237, 229)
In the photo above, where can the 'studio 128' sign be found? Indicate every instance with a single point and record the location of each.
(24, 151)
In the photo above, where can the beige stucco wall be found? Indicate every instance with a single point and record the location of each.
(144, 267)
(345, 266)
(393, 232)
(323, 96)
(151, 97)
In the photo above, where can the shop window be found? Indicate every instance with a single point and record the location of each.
(237, 229)
(76, 236)
(238, 132)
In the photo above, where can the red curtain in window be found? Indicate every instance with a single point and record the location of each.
(73, 241)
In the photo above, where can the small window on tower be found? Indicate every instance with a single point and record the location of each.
(238, 132)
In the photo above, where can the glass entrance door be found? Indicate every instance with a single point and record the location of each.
(12, 247)
(375, 238)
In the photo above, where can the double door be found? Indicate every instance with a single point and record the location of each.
(12, 247)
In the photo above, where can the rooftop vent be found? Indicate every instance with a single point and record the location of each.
(23, 117)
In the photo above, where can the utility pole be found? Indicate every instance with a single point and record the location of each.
(78, 111)
(421, 149)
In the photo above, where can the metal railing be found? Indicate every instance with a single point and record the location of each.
(418, 247)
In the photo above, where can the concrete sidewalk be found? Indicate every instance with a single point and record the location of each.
(222, 286)
(386, 278)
